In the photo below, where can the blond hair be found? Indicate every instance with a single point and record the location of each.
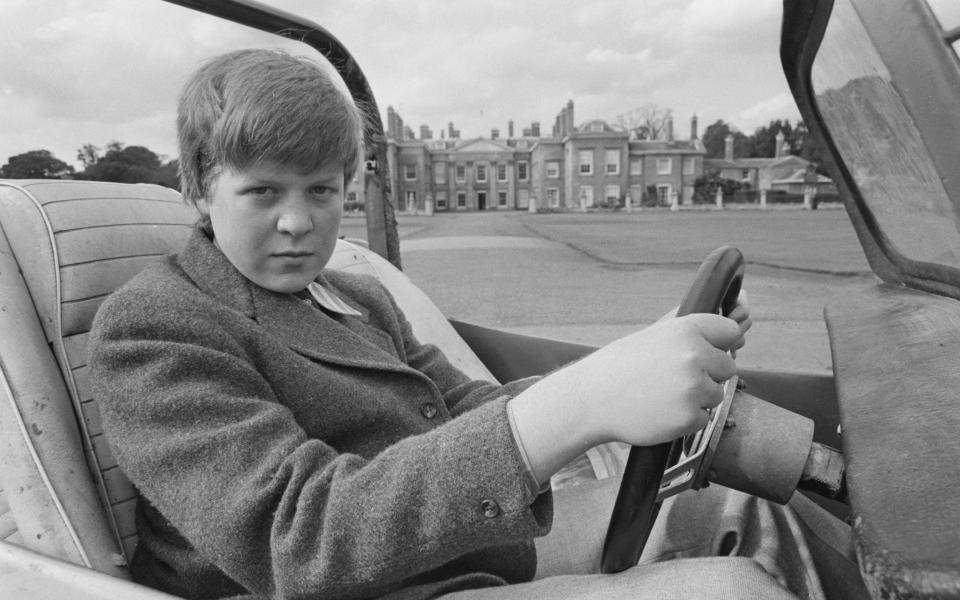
(261, 106)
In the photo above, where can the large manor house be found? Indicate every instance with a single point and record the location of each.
(574, 167)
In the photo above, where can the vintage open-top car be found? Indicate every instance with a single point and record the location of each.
(877, 83)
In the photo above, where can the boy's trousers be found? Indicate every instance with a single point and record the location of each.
(714, 543)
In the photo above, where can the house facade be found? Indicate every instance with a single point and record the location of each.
(575, 167)
(782, 172)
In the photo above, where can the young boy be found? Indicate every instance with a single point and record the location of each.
(291, 438)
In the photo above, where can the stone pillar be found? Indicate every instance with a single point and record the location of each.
(674, 201)
(628, 203)
(532, 206)
(428, 205)
(808, 193)
(763, 198)
(719, 197)
(583, 202)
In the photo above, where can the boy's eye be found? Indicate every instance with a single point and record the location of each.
(323, 190)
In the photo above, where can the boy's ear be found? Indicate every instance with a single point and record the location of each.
(203, 206)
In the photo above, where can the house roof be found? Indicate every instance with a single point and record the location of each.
(599, 127)
(800, 176)
(664, 147)
(753, 163)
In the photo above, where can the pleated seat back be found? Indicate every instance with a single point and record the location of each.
(65, 246)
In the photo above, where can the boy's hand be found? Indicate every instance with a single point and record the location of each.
(741, 314)
(647, 388)
(660, 381)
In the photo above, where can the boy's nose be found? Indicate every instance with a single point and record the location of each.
(295, 219)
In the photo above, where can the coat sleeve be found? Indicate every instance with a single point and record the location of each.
(199, 431)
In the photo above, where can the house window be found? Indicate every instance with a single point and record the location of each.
(481, 172)
(440, 173)
(596, 127)
(612, 193)
(461, 173)
(523, 172)
(664, 166)
(612, 162)
(636, 166)
(745, 174)
(351, 197)
(501, 171)
(461, 199)
(501, 199)
(553, 197)
(586, 195)
(586, 162)
(410, 171)
(553, 169)
(689, 164)
(663, 193)
(442, 200)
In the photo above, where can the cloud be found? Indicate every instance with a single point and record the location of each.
(780, 106)
(616, 56)
(91, 71)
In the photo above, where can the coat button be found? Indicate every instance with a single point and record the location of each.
(490, 508)
(428, 410)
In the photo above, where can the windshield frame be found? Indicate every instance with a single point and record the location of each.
(804, 25)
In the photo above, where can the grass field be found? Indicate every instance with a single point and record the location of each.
(592, 277)
(821, 241)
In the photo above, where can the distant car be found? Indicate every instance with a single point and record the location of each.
(877, 83)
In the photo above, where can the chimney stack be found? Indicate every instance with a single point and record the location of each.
(535, 129)
(391, 123)
(668, 127)
(728, 148)
(510, 129)
(494, 133)
(693, 128)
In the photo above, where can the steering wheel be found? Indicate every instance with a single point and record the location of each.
(714, 288)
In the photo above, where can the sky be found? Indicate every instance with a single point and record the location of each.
(75, 72)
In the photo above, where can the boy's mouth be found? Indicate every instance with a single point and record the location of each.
(293, 254)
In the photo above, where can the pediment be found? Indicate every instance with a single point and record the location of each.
(482, 146)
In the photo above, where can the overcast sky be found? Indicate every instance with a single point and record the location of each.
(90, 71)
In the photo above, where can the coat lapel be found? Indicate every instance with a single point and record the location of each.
(303, 328)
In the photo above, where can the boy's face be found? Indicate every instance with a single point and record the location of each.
(277, 226)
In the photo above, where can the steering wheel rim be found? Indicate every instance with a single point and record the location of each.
(715, 287)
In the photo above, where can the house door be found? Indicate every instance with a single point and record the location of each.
(481, 201)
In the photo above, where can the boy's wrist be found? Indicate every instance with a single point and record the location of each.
(551, 425)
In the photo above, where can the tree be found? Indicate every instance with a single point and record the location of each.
(714, 140)
(126, 164)
(805, 146)
(649, 122)
(763, 142)
(36, 164)
(705, 187)
(88, 155)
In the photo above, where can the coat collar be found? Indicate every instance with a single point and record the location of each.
(301, 326)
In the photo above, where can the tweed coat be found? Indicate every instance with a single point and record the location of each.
(281, 451)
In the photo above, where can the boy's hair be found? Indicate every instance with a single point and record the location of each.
(264, 106)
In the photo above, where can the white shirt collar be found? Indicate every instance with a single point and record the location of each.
(329, 301)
